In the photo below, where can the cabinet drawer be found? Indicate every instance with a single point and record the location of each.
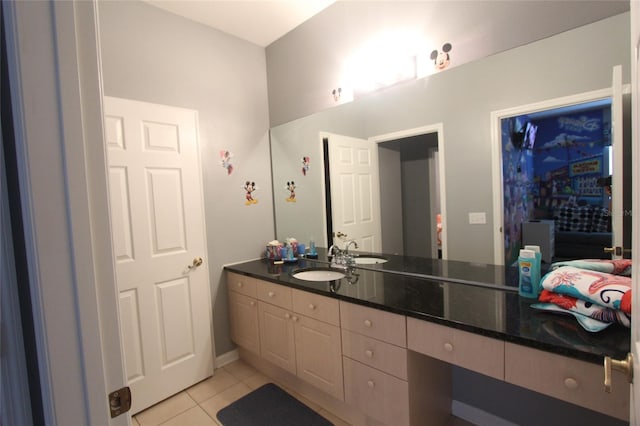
(379, 395)
(242, 284)
(381, 325)
(472, 351)
(315, 306)
(275, 294)
(374, 353)
(571, 380)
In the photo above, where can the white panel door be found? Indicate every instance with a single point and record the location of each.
(355, 191)
(158, 231)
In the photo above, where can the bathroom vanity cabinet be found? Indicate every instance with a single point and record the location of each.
(388, 356)
(294, 330)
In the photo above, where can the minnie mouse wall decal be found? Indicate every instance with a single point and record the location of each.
(441, 59)
(305, 165)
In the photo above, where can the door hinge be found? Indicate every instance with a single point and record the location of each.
(120, 401)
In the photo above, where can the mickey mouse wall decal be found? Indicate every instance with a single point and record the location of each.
(291, 187)
(442, 59)
(249, 188)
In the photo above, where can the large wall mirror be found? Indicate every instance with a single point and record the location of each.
(459, 101)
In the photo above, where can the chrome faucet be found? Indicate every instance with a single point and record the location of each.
(339, 258)
(342, 258)
(346, 246)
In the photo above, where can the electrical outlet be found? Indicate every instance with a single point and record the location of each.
(477, 218)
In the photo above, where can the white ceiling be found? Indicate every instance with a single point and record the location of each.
(259, 21)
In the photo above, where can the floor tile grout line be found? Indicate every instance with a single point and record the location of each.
(173, 415)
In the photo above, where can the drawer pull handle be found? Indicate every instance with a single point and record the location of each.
(271, 294)
(252, 303)
(240, 285)
(295, 319)
(368, 353)
(371, 383)
(368, 323)
(312, 306)
(287, 316)
(570, 383)
(448, 347)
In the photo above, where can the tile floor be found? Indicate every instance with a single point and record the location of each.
(198, 405)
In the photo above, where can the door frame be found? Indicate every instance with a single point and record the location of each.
(634, 409)
(496, 151)
(56, 89)
(416, 131)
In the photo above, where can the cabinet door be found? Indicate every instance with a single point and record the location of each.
(277, 343)
(243, 312)
(318, 355)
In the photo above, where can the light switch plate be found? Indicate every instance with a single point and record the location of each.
(477, 218)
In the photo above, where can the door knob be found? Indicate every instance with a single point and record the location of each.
(197, 261)
(624, 365)
(616, 250)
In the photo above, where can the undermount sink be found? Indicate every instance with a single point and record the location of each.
(368, 259)
(318, 274)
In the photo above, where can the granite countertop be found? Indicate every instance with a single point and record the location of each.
(477, 298)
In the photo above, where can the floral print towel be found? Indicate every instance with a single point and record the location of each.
(615, 267)
(586, 308)
(608, 290)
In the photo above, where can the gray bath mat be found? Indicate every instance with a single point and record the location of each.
(269, 405)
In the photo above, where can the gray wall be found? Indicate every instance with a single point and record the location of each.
(305, 65)
(390, 201)
(416, 210)
(154, 56)
(462, 99)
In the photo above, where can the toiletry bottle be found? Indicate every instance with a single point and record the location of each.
(537, 270)
(526, 265)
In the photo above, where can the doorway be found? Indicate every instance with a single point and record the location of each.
(555, 178)
(557, 166)
(412, 195)
(409, 196)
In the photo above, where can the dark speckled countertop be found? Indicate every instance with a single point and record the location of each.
(477, 298)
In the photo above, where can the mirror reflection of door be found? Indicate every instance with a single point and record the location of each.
(558, 167)
(354, 192)
(408, 193)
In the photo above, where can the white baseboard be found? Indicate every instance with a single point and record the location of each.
(477, 416)
(227, 358)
